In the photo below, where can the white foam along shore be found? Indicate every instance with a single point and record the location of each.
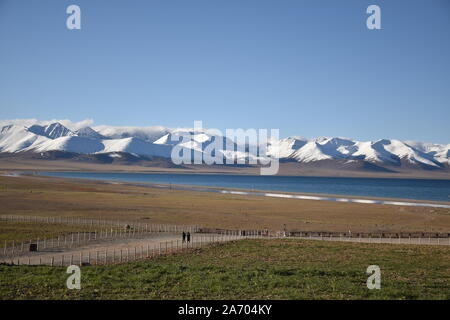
(300, 197)
(304, 197)
(274, 195)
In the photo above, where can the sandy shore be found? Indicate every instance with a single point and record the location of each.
(44, 196)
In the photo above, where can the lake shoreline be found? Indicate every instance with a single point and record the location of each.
(266, 193)
(50, 196)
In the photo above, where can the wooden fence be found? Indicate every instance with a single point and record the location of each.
(113, 256)
(151, 227)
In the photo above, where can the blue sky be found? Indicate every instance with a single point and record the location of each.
(309, 68)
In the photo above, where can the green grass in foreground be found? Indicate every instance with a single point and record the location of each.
(250, 269)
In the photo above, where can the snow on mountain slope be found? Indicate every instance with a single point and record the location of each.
(404, 151)
(285, 147)
(324, 149)
(382, 151)
(16, 138)
(136, 146)
(199, 141)
(158, 141)
(88, 132)
(336, 148)
(45, 138)
(374, 152)
(175, 137)
(149, 134)
(70, 144)
(440, 153)
(311, 151)
(52, 131)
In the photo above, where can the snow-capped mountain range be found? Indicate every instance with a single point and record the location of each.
(158, 142)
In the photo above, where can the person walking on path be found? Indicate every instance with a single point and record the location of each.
(184, 237)
(188, 237)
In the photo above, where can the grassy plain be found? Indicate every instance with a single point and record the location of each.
(25, 231)
(44, 196)
(250, 269)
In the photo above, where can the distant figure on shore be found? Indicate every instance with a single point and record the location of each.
(184, 237)
(188, 236)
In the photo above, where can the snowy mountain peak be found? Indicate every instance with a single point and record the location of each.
(88, 132)
(10, 128)
(52, 131)
(159, 141)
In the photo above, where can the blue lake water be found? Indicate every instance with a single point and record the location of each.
(416, 189)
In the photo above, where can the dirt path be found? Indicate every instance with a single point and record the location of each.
(116, 250)
(124, 250)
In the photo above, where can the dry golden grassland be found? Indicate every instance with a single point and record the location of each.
(44, 196)
(25, 231)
